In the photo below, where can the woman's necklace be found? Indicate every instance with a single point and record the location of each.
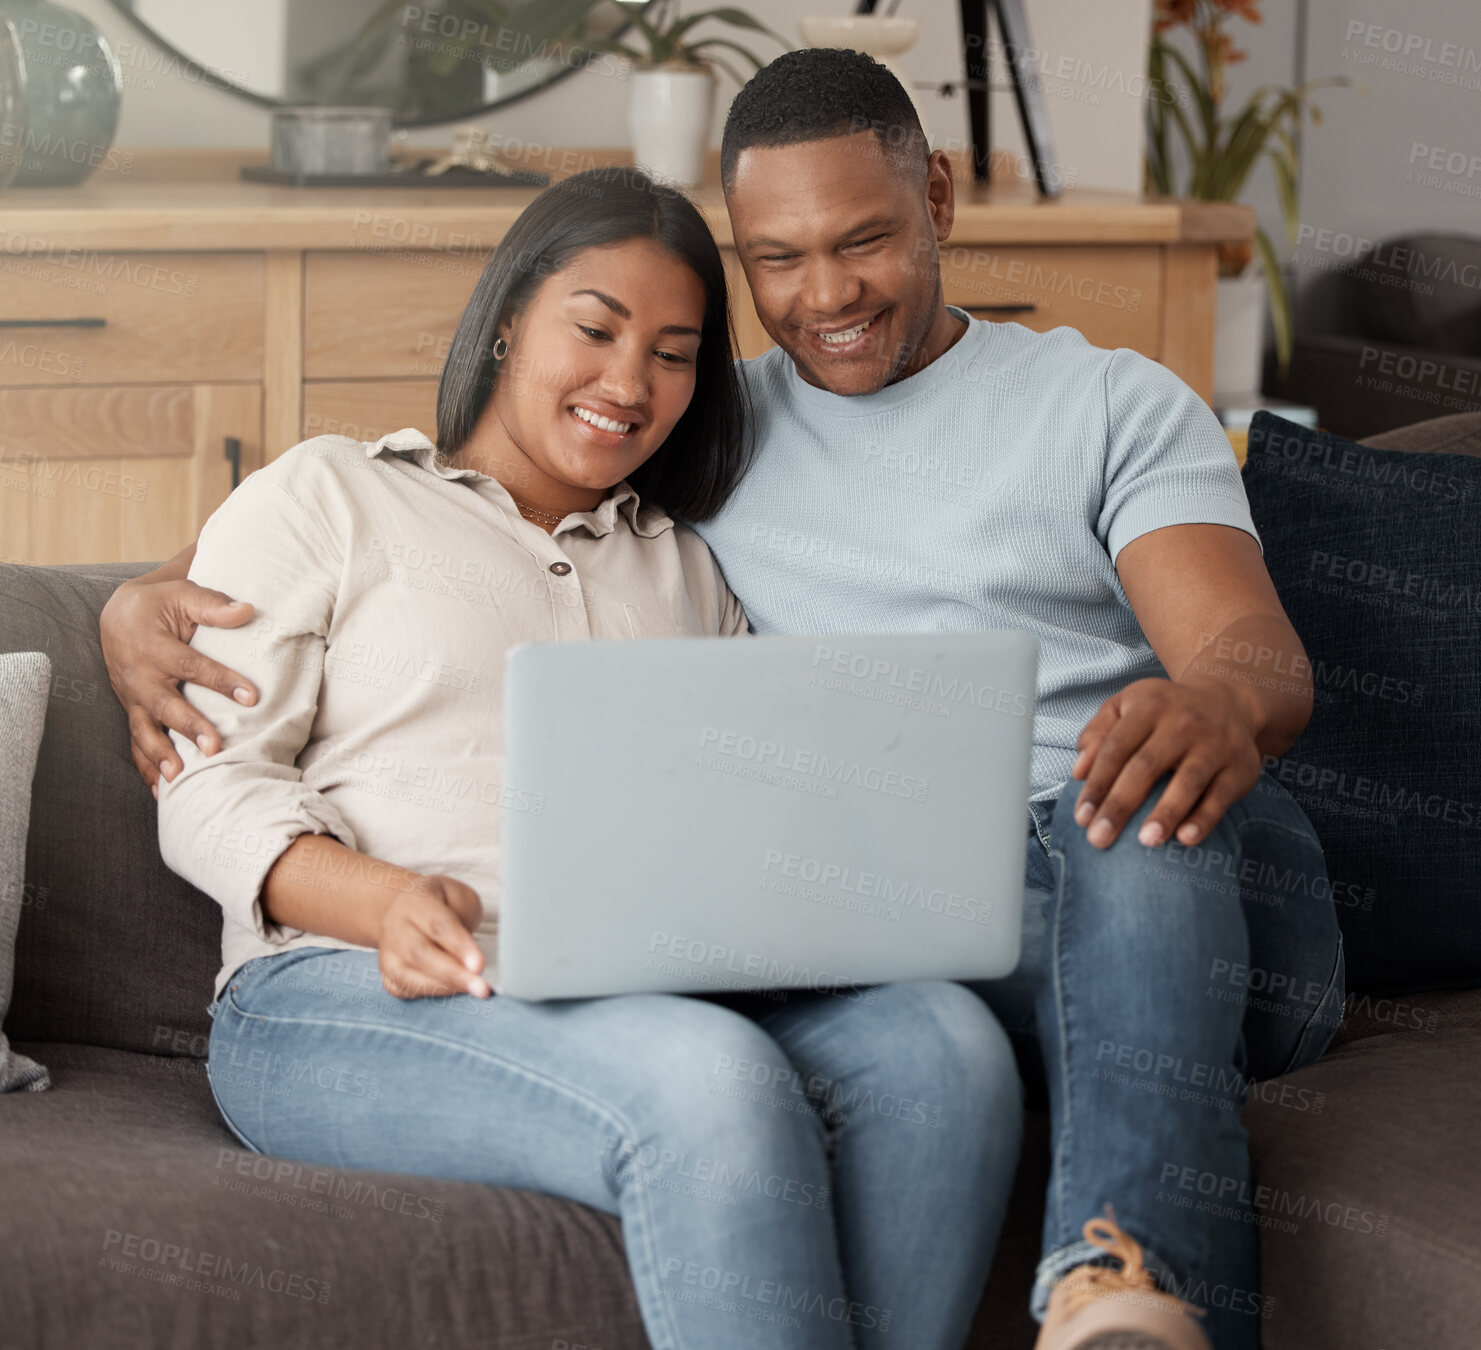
(538, 516)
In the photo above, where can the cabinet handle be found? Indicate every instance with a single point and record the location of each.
(53, 323)
(233, 452)
(1000, 309)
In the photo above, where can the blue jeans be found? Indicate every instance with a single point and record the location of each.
(832, 1172)
(1159, 986)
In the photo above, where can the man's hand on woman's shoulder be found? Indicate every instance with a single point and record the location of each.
(146, 628)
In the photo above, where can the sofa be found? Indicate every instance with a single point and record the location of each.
(132, 1217)
(1392, 337)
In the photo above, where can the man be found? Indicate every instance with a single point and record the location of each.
(918, 470)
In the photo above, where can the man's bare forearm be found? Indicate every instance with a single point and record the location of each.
(1262, 662)
(177, 569)
(320, 886)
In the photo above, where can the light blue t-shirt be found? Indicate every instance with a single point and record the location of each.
(994, 489)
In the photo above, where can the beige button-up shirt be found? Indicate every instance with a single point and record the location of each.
(387, 590)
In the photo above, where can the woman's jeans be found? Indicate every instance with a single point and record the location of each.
(1158, 986)
(830, 1172)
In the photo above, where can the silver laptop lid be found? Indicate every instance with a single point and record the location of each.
(719, 813)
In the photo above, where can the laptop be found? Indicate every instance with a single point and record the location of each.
(698, 815)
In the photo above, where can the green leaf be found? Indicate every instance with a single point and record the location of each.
(727, 68)
(1198, 87)
(550, 20)
(736, 18)
(1280, 301)
(697, 47)
(1284, 161)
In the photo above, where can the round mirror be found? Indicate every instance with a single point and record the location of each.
(428, 63)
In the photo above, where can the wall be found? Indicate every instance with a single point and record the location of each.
(1092, 51)
(1365, 169)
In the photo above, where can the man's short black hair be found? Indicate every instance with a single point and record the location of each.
(815, 94)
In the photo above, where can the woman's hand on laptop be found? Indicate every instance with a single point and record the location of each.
(426, 941)
(146, 628)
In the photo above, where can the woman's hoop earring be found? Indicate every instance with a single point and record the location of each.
(501, 349)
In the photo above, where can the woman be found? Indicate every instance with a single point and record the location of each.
(348, 828)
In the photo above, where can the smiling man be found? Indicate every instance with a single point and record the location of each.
(919, 470)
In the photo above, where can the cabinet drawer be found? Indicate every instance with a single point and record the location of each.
(388, 315)
(1111, 295)
(120, 473)
(70, 315)
(367, 410)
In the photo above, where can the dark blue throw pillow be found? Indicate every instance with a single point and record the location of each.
(1376, 555)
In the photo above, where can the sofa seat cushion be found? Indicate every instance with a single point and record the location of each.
(1371, 1232)
(138, 1221)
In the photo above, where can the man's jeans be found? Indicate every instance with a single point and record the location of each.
(1161, 984)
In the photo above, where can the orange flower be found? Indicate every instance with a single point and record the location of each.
(1223, 51)
(1246, 9)
(1171, 13)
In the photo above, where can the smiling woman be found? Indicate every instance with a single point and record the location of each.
(596, 347)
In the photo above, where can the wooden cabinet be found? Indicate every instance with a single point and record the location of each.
(1111, 295)
(130, 397)
(152, 322)
(119, 473)
(373, 315)
(81, 316)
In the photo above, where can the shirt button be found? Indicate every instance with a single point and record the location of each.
(560, 568)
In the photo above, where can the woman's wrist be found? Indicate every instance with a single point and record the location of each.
(321, 886)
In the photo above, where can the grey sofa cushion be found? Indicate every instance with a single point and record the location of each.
(1458, 434)
(25, 678)
(146, 1225)
(122, 952)
(1393, 1149)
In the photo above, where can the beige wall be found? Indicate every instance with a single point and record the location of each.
(1094, 52)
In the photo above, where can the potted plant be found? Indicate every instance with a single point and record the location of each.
(1218, 151)
(672, 92)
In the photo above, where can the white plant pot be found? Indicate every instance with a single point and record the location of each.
(1239, 334)
(882, 37)
(669, 114)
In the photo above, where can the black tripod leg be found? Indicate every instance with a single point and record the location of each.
(974, 46)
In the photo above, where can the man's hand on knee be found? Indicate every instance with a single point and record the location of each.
(1197, 730)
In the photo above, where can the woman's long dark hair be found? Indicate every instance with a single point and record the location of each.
(693, 472)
